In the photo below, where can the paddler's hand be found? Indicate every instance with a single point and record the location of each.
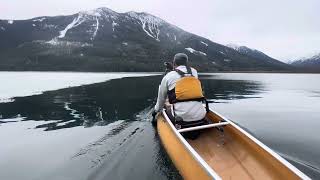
(154, 113)
(154, 120)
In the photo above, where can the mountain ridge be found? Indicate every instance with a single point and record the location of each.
(311, 63)
(104, 40)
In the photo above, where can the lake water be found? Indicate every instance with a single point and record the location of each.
(103, 130)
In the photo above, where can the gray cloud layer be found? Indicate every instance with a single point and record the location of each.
(284, 29)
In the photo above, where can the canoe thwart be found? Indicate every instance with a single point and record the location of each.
(203, 127)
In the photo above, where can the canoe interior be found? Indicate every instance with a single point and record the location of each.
(232, 155)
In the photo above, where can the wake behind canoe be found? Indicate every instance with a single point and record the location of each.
(231, 154)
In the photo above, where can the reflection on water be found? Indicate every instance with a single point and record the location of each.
(220, 89)
(123, 106)
(315, 93)
(102, 103)
(128, 147)
(97, 104)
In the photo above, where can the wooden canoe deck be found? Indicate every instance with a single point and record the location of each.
(232, 159)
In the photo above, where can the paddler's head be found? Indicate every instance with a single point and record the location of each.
(180, 59)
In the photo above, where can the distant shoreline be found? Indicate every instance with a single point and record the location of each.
(266, 72)
(147, 72)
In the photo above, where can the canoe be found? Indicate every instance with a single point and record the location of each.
(229, 154)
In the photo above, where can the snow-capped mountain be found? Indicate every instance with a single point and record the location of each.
(255, 54)
(309, 63)
(104, 40)
(249, 51)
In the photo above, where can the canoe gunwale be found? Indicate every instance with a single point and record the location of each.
(195, 155)
(264, 147)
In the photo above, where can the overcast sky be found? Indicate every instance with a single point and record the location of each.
(283, 29)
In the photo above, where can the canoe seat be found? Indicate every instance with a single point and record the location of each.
(206, 126)
(185, 124)
(180, 124)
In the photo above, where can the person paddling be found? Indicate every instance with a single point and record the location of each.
(183, 89)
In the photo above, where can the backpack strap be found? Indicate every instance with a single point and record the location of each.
(207, 105)
(181, 73)
(189, 70)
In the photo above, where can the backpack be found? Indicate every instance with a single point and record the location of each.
(188, 88)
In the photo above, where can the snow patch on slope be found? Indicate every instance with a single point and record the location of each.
(92, 15)
(76, 22)
(53, 41)
(96, 30)
(308, 59)
(144, 28)
(114, 24)
(316, 56)
(242, 48)
(101, 12)
(50, 26)
(2, 28)
(150, 24)
(191, 50)
(10, 21)
(249, 51)
(56, 42)
(39, 19)
(204, 43)
(234, 46)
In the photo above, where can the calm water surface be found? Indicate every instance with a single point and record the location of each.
(103, 131)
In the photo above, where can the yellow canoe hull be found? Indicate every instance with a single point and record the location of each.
(240, 156)
(182, 158)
